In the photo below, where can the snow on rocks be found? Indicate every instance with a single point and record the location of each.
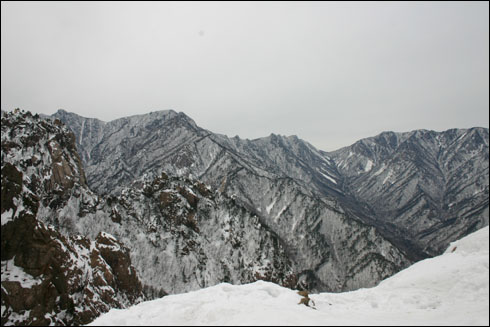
(451, 289)
(49, 277)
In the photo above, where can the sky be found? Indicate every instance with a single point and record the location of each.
(329, 72)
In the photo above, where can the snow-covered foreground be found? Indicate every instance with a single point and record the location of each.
(451, 289)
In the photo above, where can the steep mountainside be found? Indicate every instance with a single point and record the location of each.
(120, 151)
(423, 187)
(48, 277)
(184, 237)
(420, 190)
(279, 179)
(181, 235)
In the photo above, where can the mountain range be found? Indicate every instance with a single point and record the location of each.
(420, 189)
(191, 208)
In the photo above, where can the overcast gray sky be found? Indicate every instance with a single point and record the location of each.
(331, 73)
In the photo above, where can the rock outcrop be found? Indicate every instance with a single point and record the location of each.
(49, 277)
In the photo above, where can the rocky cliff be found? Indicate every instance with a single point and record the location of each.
(48, 277)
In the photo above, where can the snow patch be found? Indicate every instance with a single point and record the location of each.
(451, 289)
(109, 236)
(81, 131)
(369, 166)
(13, 273)
(328, 177)
(270, 206)
(388, 176)
(7, 216)
(379, 171)
(280, 213)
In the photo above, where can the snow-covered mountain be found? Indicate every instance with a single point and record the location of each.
(288, 184)
(423, 189)
(67, 252)
(183, 236)
(420, 190)
(153, 204)
(450, 289)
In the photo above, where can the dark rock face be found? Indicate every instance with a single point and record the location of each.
(49, 277)
(116, 255)
(11, 186)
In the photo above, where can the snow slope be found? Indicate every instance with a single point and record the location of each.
(451, 289)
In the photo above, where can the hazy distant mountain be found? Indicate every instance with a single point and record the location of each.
(423, 187)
